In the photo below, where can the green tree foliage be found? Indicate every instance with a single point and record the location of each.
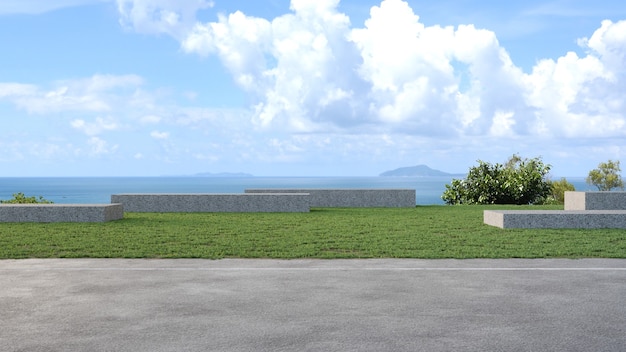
(20, 198)
(518, 181)
(606, 176)
(558, 189)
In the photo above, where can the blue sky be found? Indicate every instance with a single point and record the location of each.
(308, 87)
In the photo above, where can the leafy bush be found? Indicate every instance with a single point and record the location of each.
(558, 189)
(519, 181)
(20, 198)
(606, 176)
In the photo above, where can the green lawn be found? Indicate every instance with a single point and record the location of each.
(421, 232)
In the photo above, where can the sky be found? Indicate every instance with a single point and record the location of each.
(308, 87)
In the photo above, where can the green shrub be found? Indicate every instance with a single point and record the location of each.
(519, 181)
(606, 176)
(557, 191)
(20, 198)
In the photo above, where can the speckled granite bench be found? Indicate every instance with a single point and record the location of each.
(595, 201)
(60, 212)
(556, 219)
(583, 210)
(351, 198)
(212, 202)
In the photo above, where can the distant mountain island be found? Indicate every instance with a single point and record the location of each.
(419, 170)
(223, 174)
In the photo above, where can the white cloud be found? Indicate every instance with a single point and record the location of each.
(94, 128)
(390, 64)
(14, 90)
(173, 17)
(93, 94)
(502, 124)
(103, 83)
(321, 88)
(138, 124)
(159, 135)
(239, 40)
(293, 64)
(99, 147)
(312, 72)
(583, 96)
(608, 42)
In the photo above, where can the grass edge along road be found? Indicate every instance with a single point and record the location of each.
(421, 232)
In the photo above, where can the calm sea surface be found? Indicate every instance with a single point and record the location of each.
(100, 189)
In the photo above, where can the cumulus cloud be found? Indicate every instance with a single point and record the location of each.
(583, 96)
(389, 87)
(293, 64)
(313, 70)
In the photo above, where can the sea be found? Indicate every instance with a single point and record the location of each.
(86, 190)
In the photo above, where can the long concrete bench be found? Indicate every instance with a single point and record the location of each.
(351, 198)
(595, 201)
(556, 219)
(60, 212)
(211, 202)
(583, 210)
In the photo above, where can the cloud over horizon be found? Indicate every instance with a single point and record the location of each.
(321, 85)
(312, 70)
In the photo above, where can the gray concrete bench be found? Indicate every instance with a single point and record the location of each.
(583, 210)
(211, 202)
(351, 198)
(595, 201)
(60, 212)
(556, 219)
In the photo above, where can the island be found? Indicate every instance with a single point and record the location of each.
(413, 171)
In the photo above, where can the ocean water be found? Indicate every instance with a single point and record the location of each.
(87, 190)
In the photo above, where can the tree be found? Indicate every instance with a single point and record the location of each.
(518, 181)
(20, 198)
(606, 176)
(558, 189)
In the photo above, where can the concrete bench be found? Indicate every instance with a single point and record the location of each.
(595, 201)
(552, 219)
(60, 212)
(210, 202)
(351, 198)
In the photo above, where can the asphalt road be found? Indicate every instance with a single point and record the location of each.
(312, 305)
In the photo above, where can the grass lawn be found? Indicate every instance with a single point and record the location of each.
(421, 232)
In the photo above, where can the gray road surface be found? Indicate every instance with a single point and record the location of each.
(312, 305)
